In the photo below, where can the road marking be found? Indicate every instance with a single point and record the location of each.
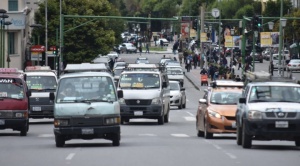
(70, 156)
(230, 155)
(180, 135)
(187, 100)
(189, 118)
(151, 135)
(46, 135)
(190, 113)
(216, 146)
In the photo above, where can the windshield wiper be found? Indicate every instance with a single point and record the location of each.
(259, 100)
(151, 87)
(2, 98)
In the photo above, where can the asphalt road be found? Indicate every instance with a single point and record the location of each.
(144, 143)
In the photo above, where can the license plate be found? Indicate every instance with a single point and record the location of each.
(233, 125)
(281, 124)
(294, 65)
(87, 131)
(2, 122)
(36, 109)
(138, 113)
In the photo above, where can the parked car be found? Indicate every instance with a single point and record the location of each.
(130, 48)
(294, 65)
(141, 60)
(258, 56)
(113, 55)
(177, 95)
(165, 41)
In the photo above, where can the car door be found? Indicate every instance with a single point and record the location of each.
(201, 111)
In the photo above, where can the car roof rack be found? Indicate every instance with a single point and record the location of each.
(263, 76)
(226, 84)
(83, 67)
(144, 67)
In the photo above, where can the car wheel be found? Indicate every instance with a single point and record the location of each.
(207, 135)
(200, 133)
(166, 117)
(116, 139)
(184, 105)
(297, 141)
(160, 120)
(261, 61)
(239, 136)
(124, 120)
(60, 141)
(180, 105)
(246, 139)
(23, 131)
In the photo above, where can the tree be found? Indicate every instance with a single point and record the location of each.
(83, 43)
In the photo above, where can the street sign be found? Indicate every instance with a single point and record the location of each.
(215, 12)
(52, 48)
(37, 48)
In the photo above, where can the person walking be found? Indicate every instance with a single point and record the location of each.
(271, 67)
(195, 60)
(212, 72)
(147, 48)
(175, 47)
(161, 44)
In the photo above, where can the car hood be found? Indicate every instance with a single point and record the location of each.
(225, 110)
(283, 106)
(174, 92)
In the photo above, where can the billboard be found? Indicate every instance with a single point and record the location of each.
(269, 39)
(228, 41)
(185, 30)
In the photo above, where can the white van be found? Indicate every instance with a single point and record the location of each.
(146, 95)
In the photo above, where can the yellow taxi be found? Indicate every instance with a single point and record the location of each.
(217, 108)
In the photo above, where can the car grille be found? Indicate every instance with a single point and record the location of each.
(281, 114)
(138, 102)
(229, 128)
(230, 117)
(6, 114)
(87, 121)
(138, 108)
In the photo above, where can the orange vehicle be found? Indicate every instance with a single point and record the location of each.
(217, 108)
(14, 100)
(204, 79)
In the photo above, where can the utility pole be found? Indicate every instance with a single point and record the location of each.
(46, 32)
(202, 12)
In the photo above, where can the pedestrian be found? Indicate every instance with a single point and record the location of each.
(271, 67)
(175, 47)
(164, 56)
(180, 55)
(212, 72)
(155, 39)
(161, 44)
(185, 55)
(174, 59)
(147, 48)
(195, 60)
(240, 62)
(188, 65)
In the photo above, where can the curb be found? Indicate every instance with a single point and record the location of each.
(192, 82)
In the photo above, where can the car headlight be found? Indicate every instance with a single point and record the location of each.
(253, 114)
(61, 122)
(111, 121)
(177, 96)
(122, 101)
(156, 100)
(214, 114)
(21, 114)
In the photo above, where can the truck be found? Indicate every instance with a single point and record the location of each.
(14, 100)
(268, 110)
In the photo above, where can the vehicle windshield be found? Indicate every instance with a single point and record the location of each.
(174, 86)
(13, 90)
(174, 71)
(41, 82)
(274, 94)
(225, 98)
(86, 89)
(139, 81)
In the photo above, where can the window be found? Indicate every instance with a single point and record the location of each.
(11, 43)
(12, 5)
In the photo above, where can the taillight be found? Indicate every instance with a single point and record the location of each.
(289, 65)
(299, 65)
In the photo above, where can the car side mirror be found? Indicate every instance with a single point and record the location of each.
(164, 85)
(120, 94)
(202, 101)
(242, 100)
(51, 96)
(28, 93)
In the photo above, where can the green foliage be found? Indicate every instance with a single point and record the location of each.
(84, 43)
(246, 10)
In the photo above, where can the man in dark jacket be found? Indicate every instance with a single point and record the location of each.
(212, 72)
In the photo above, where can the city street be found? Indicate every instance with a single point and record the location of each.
(144, 143)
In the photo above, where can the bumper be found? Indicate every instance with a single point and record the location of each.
(216, 125)
(175, 102)
(78, 132)
(15, 124)
(46, 111)
(291, 68)
(141, 111)
(267, 129)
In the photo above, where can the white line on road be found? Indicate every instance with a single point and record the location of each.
(46, 135)
(189, 118)
(70, 156)
(230, 155)
(180, 135)
(216, 146)
(190, 113)
(151, 135)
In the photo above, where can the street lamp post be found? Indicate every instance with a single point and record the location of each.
(3, 16)
(231, 59)
(7, 23)
(282, 25)
(271, 25)
(37, 26)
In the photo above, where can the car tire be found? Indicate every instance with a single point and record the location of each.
(59, 141)
(239, 136)
(207, 135)
(116, 139)
(246, 139)
(184, 105)
(297, 141)
(160, 120)
(200, 133)
(166, 117)
(261, 61)
(124, 120)
(23, 131)
(180, 105)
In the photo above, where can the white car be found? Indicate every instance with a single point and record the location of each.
(165, 41)
(177, 95)
(294, 65)
(113, 55)
(130, 48)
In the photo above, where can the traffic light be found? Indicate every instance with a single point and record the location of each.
(256, 23)
(54, 51)
(195, 24)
